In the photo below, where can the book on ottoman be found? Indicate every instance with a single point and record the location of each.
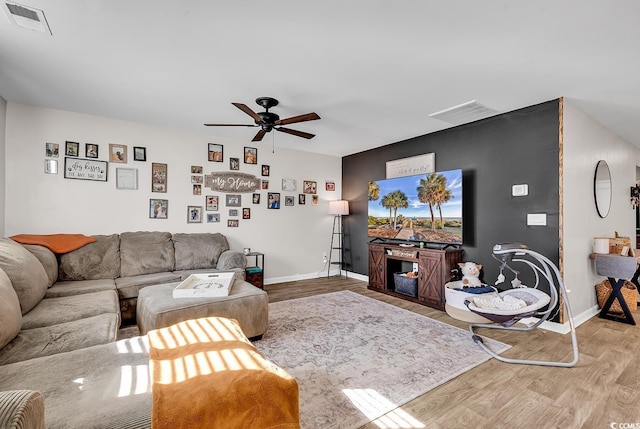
(205, 285)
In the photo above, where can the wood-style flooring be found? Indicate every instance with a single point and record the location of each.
(604, 387)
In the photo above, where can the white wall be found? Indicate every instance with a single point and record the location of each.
(585, 143)
(3, 182)
(293, 238)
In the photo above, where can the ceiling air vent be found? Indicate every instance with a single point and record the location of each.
(465, 113)
(26, 17)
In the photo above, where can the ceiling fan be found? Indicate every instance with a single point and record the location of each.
(268, 121)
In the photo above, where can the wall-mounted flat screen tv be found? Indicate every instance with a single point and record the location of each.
(425, 207)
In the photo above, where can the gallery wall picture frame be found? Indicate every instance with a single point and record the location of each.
(85, 169)
(139, 153)
(118, 153)
(127, 178)
(273, 200)
(330, 186)
(158, 177)
(309, 187)
(211, 203)
(246, 213)
(233, 212)
(197, 189)
(196, 169)
(51, 166)
(90, 150)
(290, 185)
(197, 179)
(215, 153)
(264, 184)
(266, 170)
(314, 200)
(158, 208)
(233, 200)
(51, 150)
(255, 198)
(302, 199)
(213, 217)
(233, 223)
(71, 148)
(234, 164)
(250, 155)
(194, 214)
(289, 200)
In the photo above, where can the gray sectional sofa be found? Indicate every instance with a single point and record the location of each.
(60, 315)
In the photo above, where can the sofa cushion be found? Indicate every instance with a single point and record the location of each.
(53, 311)
(10, 314)
(22, 409)
(27, 274)
(48, 260)
(78, 287)
(231, 259)
(194, 251)
(145, 252)
(64, 337)
(99, 260)
(128, 287)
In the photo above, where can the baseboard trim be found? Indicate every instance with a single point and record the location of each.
(285, 279)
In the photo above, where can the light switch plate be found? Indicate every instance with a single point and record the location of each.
(520, 190)
(536, 219)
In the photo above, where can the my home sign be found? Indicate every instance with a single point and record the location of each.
(231, 182)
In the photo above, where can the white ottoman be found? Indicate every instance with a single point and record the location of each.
(247, 304)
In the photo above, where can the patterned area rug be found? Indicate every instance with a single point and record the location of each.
(356, 358)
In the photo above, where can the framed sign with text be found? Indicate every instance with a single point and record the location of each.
(85, 169)
(411, 166)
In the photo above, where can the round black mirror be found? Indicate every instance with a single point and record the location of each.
(602, 188)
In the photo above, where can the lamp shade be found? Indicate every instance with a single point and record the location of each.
(339, 208)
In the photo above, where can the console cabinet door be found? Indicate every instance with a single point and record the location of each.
(430, 281)
(376, 266)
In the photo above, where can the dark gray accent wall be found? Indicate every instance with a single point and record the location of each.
(519, 147)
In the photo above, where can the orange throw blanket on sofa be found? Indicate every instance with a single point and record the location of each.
(57, 243)
(206, 374)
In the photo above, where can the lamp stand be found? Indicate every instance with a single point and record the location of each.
(337, 231)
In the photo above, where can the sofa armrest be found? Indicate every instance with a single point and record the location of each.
(21, 409)
(231, 259)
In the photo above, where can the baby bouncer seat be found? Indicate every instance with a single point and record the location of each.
(507, 308)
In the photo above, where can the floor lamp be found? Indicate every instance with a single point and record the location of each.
(337, 209)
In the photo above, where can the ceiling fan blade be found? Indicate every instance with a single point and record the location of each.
(246, 109)
(229, 125)
(296, 133)
(259, 136)
(300, 118)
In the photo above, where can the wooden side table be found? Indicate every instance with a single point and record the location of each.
(254, 274)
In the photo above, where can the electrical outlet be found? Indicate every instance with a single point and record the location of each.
(324, 257)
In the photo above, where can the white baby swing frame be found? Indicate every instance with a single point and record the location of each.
(541, 266)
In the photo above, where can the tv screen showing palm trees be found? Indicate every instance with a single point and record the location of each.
(426, 207)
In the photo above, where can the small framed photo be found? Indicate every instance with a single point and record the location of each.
(246, 213)
(264, 184)
(233, 212)
(197, 189)
(51, 150)
(196, 169)
(194, 214)
(71, 148)
(330, 186)
(233, 223)
(196, 179)
(302, 198)
(158, 177)
(273, 200)
(212, 203)
(309, 187)
(213, 217)
(265, 170)
(215, 152)
(139, 153)
(234, 200)
(90, 150)
(288, 200)
(51, 166)
(256, 199)
(118, 153)
(250, 155)
(158, 209)
(314, 200)
(127, 178)
(234, 163)
(289, 185)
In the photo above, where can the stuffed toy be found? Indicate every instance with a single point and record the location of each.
(470, 274)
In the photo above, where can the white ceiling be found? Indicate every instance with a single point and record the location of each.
(373, 70)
